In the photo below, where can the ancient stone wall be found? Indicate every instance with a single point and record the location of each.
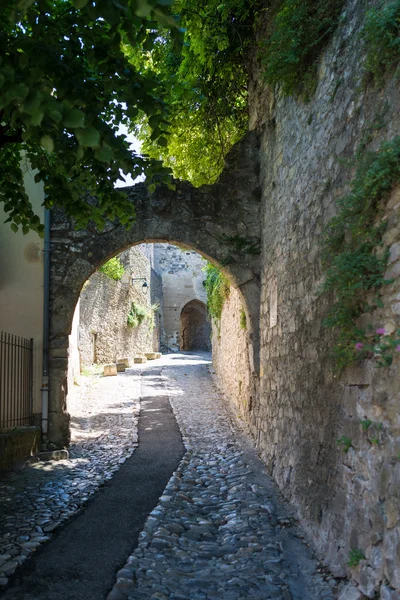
(104, 306)
(182, 282)
(230, 354)
(204, 219)
(347, 501)
(195, 328)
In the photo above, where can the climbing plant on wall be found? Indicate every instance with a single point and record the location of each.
(113, 268)
(355, 261)
(217, 289)
(382, 36)
(139, 313)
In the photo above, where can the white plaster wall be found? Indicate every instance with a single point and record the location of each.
(21, 283)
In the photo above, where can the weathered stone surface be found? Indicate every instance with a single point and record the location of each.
(350, 592)
(125, 361)
(388, 593)
(104, 306)
(204, 219)
(121, 367)
(17, 445)
(150, 355)
(347, 500)
(53, 455)
(109, 370)
(181, 270)
(139, 360)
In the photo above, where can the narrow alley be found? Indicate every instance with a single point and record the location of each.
(216, 527)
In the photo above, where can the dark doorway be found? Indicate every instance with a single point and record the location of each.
(195, 328)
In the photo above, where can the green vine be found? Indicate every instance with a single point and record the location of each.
(113, 268)
(297, 35)
(242, 319)
(139, 314)
(353, 259)
(344, 443)
(355, 557)
(217, 288)
(382, 35)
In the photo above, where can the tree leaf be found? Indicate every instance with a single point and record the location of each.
(75, 119)
(47, 143)
(89, 138)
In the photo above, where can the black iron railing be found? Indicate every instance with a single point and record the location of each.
(16, 378)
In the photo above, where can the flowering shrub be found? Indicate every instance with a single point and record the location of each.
(354, 269)
(380, 347)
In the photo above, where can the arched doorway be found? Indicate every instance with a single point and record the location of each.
(195, 330)
(221, 222)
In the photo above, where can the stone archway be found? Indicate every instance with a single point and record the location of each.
(221, 222)
(195, 329)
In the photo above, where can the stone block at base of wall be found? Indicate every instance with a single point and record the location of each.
(138, 360)
(151, 355)
(124, 361)
(110, 370)
(121, 367)
(17, 445)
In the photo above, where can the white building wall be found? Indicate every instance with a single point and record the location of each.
(21, 283)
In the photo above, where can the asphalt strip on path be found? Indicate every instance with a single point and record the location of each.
(81, 560)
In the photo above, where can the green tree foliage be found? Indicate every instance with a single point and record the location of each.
(382, 35)
(217, 288)
(113, 268)
(65, 87)
(207, 85)
(297, 33)
(208, 81)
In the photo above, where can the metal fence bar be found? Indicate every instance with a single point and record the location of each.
(16, 380)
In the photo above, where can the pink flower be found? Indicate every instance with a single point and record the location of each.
(381, 331)
(359, 346)
(398, 348)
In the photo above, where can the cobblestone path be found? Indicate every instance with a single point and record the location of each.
(220, 531)
(37, 498)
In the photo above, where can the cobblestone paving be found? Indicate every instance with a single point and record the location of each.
(219, 531)
(34, 500)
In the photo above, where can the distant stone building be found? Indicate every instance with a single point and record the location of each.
(162, 279)
(186, 326)
(101, 330)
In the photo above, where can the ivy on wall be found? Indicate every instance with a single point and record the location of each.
(217, 289)
(139, 314)
(382, 35)
(297, 34)
(113, 268)
(354, 258)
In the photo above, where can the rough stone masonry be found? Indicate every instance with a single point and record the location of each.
(299, 408)
(347, 501)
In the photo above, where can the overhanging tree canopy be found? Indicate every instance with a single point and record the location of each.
(66, 86)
